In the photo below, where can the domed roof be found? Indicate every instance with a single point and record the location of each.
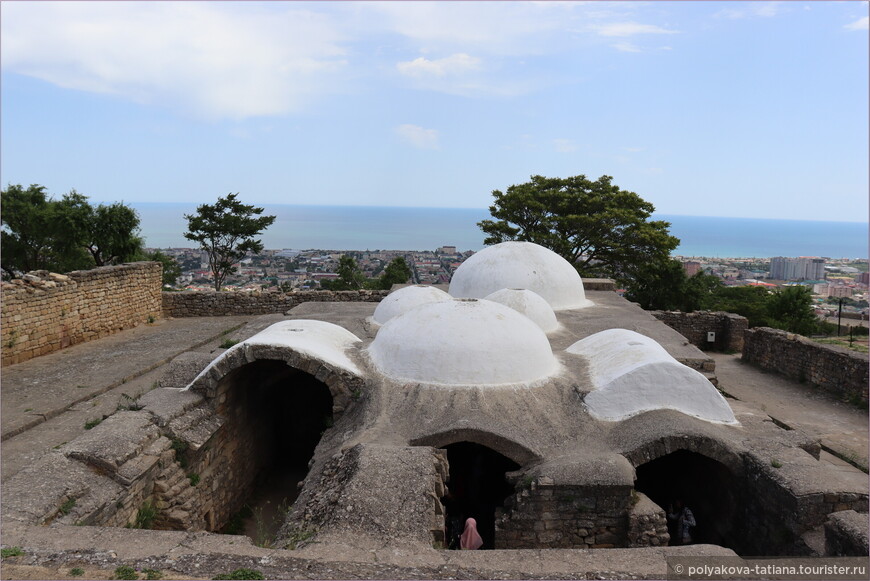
(530, 304)
(463, 342)
(633, 374)
(521, 265)
(405, 299)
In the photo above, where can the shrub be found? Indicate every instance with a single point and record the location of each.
(126, 572)
(242, 574)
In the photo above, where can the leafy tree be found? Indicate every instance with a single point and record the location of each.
(107, 233)
(664, 285)
(396, 272)
(791, 308)
(171, 268)
(747, 301)
(29, 223)
(226, 231)
(596, 226)
(350, 277)
(62, 235)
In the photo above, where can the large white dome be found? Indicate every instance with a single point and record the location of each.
(528, 303)
(521, 265)
(463, 342)
(405, 299)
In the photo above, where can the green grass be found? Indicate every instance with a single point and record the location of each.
(145, 516)
(126, 572)
(11, 552)
(67, 506)
(152, 574)
(227, 343)
(776, 463)
(91, 424)
(76, 572)
(242, 574)
(194, 479)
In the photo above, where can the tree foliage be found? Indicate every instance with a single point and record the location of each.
(396, 272)
(171, 268)
(39, 232)
(665, 286)
(791, 308)
(599, 228)
(350, 276)
(227, 231)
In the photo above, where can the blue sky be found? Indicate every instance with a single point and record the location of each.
(744, 109)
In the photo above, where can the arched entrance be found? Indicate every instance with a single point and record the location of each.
(476, 487)
(276, 415)
(704, 485)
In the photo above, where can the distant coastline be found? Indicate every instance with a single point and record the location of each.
(394, 228)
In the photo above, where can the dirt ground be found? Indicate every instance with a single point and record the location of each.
(22, 572)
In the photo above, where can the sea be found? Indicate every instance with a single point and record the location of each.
(391, 228)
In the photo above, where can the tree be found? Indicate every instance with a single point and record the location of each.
(791, 308)
(62, 235)
(665, 286)
(396, 272)
(171, 268)
(599, 228)
(350, 277)
(107, 233)
(226, 231)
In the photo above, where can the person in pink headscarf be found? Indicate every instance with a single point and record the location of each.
(470, 539)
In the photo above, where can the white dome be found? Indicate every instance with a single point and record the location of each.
(633, 374)
(530, 304)
(463, 342)
(405, 299)
(520, 265)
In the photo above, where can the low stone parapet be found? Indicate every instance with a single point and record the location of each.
(727, 328)
(837, 370)
(212, 304)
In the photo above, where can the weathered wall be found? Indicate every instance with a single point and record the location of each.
(561, 517)
(728, 327)
(647, 523)
(213, 304)
(846, 534)
(837, 370)
(45, 312)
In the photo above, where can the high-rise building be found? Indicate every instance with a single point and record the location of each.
(802, 268)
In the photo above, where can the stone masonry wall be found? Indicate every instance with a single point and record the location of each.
(562, 517)
(728, 327)
(44, 312)
(213, 304)
(647, 523)
(834, 369)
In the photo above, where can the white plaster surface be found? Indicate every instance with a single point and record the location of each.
(632, 374)
(405, 299)
(521, 265)
(463, 342)
(317, 339)
(528, 303)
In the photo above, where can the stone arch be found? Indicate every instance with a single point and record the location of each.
(700, 472)
(699, 444)
(344, 386)
(508, 448)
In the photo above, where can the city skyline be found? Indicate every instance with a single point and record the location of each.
(732, 109)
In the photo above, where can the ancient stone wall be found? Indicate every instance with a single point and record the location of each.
(44, 312)
(846, 534)
(647, 523)
(842, 372)
(561, 517)
(728, 327)
(213, 304)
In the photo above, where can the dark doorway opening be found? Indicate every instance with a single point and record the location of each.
(705, 486)
(281, 414)
(477, 486)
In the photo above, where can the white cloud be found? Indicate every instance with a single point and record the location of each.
(564, 145)
(456, 64)
(630, 29)
(215, 60)
(860, 24)
(417, 136)
(753, 9)
(626, 47)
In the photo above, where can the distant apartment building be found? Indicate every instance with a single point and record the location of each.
(691, 267)
(802, 268)
(839, 291)
(863, 278)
